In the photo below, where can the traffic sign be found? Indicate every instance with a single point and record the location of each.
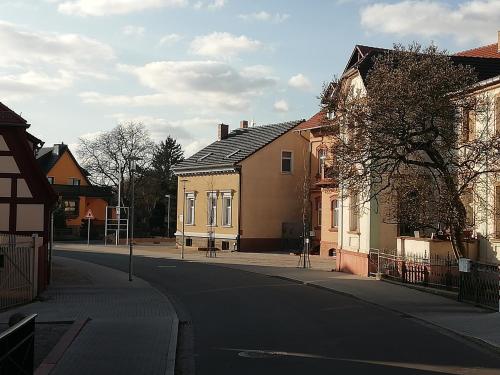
(89, 215)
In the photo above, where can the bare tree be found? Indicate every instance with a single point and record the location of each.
(103, 154)
(410, 137)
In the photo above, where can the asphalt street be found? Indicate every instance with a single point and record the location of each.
(237, 322)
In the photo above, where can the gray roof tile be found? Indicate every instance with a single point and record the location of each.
(240, 144)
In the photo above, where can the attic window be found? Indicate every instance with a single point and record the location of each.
(233, 153)
(205, 156)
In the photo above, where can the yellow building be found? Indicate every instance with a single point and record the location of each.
(244, 190)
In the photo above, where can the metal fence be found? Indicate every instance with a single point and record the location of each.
(18, 270)
(480, 286)
(432, 271)
(17, 348)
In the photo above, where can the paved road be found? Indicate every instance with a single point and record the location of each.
(245, 323)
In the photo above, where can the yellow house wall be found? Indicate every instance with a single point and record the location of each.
(65, 169)
(269, 197)
(201, 185)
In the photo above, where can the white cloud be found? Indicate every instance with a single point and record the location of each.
(265, 17)
(200, 84)
(113, 7)
(19, 86)
(223, 45)
(475, 20)
(281, 106)
(300, 82)
(170, 39)
(32, 48)
(211, 5)
(41, 61)
(131, 30)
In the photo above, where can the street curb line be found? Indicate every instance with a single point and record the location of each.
(57, 352)
(478, 341)
(172, 346)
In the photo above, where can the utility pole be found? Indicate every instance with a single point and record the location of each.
(183, 215)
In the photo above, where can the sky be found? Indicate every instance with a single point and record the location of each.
(74, 68)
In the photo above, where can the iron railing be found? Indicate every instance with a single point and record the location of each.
(17, 348)
(480, 286)
(18, 265)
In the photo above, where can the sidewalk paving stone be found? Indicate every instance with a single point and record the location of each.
(132, 326)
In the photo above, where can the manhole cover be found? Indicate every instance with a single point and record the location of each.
(258, 354)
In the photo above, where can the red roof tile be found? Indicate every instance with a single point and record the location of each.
(10, 118)
(489, 51)
(317, 121)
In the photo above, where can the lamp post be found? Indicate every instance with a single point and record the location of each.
(168, 215)
(133, 167)
(183, 215)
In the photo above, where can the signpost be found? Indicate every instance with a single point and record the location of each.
(89, 216)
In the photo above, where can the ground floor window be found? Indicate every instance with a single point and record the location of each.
(225, 245)
(71, 207)
(190, 208)
(212, 208)
(189, 242)
(319, 211)
(226, 209)
(354, 213)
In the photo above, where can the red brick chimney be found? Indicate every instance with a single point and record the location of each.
(223, 131)
(243, 124)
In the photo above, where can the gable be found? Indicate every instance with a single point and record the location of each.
(65, 168)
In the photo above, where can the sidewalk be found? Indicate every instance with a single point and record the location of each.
(132, 327)
(463, 319)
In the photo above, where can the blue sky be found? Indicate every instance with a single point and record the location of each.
(77, 67)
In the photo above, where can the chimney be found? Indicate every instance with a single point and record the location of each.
(223, 131)
(243, 124)
(55, 149)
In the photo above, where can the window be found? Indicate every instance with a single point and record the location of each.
(225, 245)
(189, 242)
(334, 206)
(469, 126)
(226, 209)
(318, 209)
(74, 181)
(321, 162)
(51, 180)
(286, 162)
(353, 213)
(71, 207)
(189, 208)
(212, 209)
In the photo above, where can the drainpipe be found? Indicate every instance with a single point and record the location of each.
(238, 237)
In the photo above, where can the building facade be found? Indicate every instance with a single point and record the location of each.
(75, 191)
(243, 191)
(26, 198)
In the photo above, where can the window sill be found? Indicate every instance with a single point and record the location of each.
(226, 226)
(354, 232)
(333, 229)
(211, 226)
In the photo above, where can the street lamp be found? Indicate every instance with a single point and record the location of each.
(168, 215)
(183, 214)
(133, 167)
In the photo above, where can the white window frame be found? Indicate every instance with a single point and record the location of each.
(227, 219)
(291, 162)
(321, 161)
(190, 213)
(335, 213)
(72, 181)
(211, 209)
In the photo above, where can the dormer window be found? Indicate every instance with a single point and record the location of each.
(51, 180)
